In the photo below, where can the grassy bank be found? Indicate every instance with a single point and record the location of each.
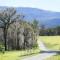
(56, 57)
(16, 55)
(51, 42)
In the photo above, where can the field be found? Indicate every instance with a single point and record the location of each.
(17, 55)
(51, 42)
(56, 57)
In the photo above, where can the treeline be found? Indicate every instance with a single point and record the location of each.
(49, 31)
(15, 33)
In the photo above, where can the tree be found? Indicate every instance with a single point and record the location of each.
(23, 37)
(35, 26)
(35, 23)
(58, 30)
(7, 17)
(42, 30)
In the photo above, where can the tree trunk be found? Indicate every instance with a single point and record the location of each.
(5, 38)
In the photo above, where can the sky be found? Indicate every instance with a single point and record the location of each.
(51, 5)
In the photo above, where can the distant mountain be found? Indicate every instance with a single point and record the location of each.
(47, 18)
(44, 17)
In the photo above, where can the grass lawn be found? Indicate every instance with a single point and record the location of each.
(16, 55)
(51, 42)
(56, 57)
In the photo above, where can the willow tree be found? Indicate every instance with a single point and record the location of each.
(7, 17)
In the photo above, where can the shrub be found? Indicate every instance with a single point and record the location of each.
(2, 48)
(35, 46)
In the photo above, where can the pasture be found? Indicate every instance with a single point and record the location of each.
(51, 42)
(56, 57)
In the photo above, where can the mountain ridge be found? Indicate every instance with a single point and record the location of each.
(44, 17)
(47, 18)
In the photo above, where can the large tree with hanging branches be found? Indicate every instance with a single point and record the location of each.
(7, 17)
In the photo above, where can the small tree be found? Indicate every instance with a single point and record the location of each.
(35, 23)
(7, 17)
(42, 30)
(35, 26)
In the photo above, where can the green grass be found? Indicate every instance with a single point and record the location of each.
(56, 57)
(16, 55)
(51, 42)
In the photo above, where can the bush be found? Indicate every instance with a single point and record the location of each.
(35, 46)
(2, 48)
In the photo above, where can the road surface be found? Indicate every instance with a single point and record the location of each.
(41, 56)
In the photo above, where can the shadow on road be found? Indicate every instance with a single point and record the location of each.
(57, 52)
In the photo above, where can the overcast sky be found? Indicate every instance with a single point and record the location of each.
(53, 5)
